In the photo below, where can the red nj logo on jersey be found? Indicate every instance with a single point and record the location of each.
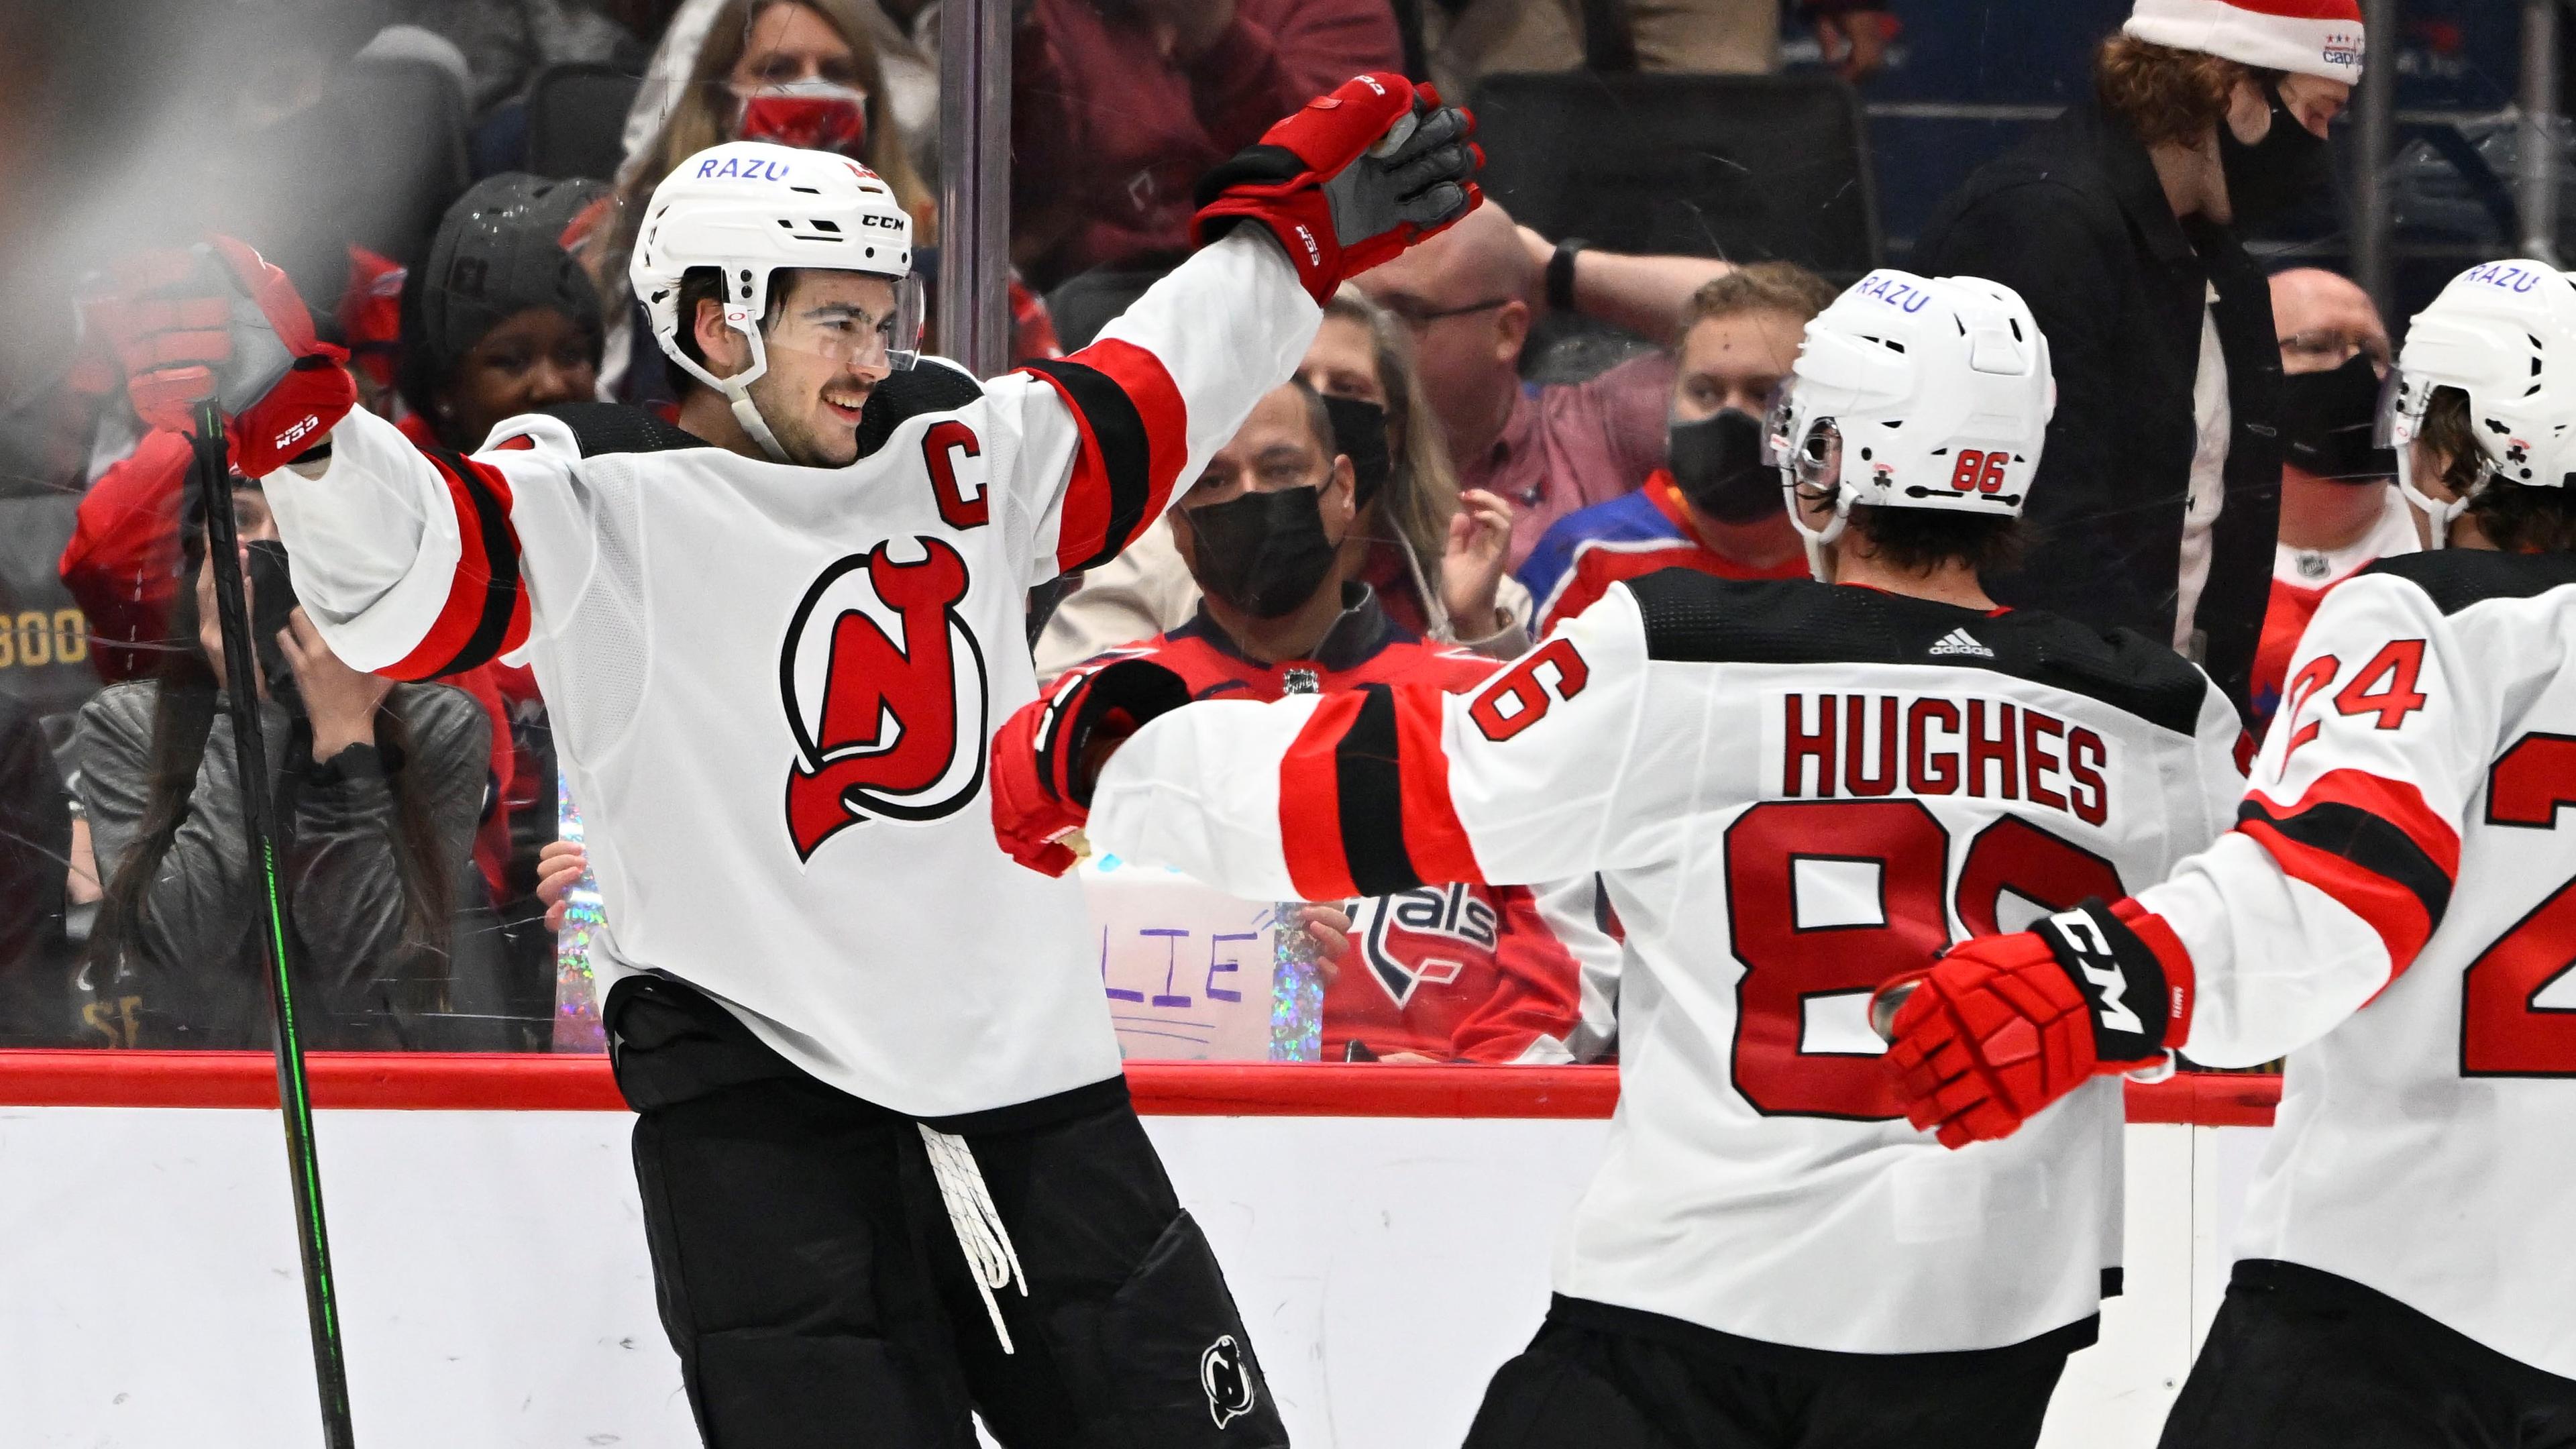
(888, 703)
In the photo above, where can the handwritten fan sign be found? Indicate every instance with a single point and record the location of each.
(1187, 968)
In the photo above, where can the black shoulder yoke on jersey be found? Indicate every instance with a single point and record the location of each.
(931, 385)
(1699, 617)
(618, 428)
(2454, 578)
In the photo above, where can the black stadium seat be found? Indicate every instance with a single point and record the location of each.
(577, 120)
(1743, 167)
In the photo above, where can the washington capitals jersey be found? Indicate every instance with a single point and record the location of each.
(1793, 792)
(1585, 552)
(772, 686)
(1455, 971)
(2396, 911)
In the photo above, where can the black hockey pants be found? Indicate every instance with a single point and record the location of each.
(811, 1282)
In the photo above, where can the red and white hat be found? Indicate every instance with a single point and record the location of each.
(2311, 37)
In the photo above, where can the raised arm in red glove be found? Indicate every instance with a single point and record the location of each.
(214, 321)
(1046, 756)
(1349, 181)
(2002, 1026)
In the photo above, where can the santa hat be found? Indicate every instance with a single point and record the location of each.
(2311, 37)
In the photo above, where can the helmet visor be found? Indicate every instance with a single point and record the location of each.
(2392, 425)
(854, 320)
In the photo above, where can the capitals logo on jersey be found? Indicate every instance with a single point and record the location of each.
(1424, 936)
(885, 689)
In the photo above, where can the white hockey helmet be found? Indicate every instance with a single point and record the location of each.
(1914, 392)
(2505, 334)
(749, 209)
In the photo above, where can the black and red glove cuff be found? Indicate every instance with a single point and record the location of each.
(2127, 990)
(1120, 697)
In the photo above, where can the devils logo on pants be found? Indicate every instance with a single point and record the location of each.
(888, 704)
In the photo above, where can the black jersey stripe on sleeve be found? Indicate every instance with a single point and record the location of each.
(1370, 776)
(2366, 841)
(500, 544)
(1125, 451)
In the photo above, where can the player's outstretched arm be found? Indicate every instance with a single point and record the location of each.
(2338, 870)
(1352, 179)
(408, 565)
(1542, 774)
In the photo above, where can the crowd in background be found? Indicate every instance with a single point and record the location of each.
(1499, 425)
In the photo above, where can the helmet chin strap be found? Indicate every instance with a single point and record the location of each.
(1820, 564)
(2438, 513)
(736, 389)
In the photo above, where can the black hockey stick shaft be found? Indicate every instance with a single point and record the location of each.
(259, 813)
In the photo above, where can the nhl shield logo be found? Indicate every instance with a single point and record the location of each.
(1228, 1385)
(885, 690)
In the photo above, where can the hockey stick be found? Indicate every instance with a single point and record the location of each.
(294, 1097)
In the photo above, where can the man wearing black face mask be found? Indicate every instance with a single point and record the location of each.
(2119, 222)
(1440, 973)
(2340, 508)
(1714, 506)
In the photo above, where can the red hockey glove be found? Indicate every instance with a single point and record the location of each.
(1318, 179)
(1043, 767)
(214, 321)
(2002, 1026)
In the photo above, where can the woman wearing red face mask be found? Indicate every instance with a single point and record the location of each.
(797, 72)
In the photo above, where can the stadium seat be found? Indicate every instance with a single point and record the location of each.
(577, 120)
(1746, 167)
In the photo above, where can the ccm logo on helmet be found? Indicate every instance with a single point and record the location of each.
(2505, 275)
(749, 169)
(1901, 295)
(886, 223)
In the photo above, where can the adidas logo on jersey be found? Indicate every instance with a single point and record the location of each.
(1957, 641)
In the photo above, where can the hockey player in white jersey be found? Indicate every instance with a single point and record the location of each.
(889, 1167)
(1792, 790)
(2396, 912)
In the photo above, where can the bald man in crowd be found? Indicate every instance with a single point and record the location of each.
(1469, 296)
(2340, 507)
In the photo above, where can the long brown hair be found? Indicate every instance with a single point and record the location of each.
(701, 116)
(2164, 94)
(1421, 492)
(184, 704)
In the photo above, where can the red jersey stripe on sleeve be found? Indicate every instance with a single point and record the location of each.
(1133, 423)
(2372, 844)
(486, 612)
(2397, 914)
(1434, 837)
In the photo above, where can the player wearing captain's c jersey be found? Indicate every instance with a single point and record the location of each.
(2396, 911)
(891, 1178)
(1791, 789)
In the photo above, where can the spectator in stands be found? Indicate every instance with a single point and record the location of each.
(379, 785)
(1468, 295)
(759, 51)
(35, 856)
(1118, 107)
(2157, 501)
(501, 319)
(2340, 507)
(1715, 506)
(1466, 40)
(1433, 555)
(903, 33)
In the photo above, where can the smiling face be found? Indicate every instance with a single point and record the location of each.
(827, 336)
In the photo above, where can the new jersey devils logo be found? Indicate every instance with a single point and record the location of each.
(884, 686)
(1228, 1387)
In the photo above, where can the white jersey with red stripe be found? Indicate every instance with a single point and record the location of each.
(1793, 792)
(772, 687)
(2396, 912)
